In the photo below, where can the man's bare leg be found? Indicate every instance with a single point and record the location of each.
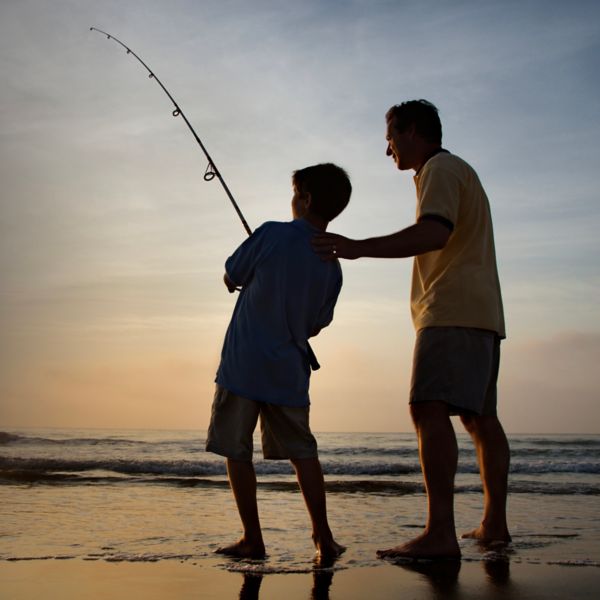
(493, 454)
(312, 484)
(242, 479)
(438, 452)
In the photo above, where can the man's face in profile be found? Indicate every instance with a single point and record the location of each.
(400, 145)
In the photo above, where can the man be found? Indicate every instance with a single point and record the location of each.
(458, 316)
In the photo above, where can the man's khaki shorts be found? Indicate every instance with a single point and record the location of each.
(458, 366)
(284, 429)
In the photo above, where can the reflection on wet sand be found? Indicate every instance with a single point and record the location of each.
(250, 586)
(443, 576)
(497, 571)
(322, 580)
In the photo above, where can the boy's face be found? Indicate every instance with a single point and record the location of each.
(300, 203)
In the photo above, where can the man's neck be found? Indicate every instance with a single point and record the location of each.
(428, 151)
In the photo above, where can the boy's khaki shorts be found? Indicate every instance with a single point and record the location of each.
(284, 429)
(458, 366)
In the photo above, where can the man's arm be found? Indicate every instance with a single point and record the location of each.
(425, 236)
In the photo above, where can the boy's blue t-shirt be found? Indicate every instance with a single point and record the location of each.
(288, 294)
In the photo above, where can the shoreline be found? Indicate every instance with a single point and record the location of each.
(207, 579)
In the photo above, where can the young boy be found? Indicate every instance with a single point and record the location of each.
(287, 295)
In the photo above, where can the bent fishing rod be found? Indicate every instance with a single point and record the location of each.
(211, 169)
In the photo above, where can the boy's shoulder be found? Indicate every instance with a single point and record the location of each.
(274, 226)
(286, 229)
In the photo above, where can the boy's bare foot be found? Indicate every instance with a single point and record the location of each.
(427, 546)
(329, 550)
(243, 549)
(488, 535)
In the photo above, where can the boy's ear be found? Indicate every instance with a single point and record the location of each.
(307, 199)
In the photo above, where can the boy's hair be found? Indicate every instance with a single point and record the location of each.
(420, 113)
(329, 187)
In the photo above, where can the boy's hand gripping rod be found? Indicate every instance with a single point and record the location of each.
(211, 169)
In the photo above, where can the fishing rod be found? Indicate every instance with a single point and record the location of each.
(211, 169)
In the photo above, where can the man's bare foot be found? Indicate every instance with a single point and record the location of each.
(488, 535)
(427, 545)
(243, 549)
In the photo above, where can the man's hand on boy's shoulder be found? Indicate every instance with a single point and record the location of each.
(331, 245)
(230, 285)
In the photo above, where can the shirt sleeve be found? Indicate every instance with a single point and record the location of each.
(439, 194)
(241, 264)
(326, 313)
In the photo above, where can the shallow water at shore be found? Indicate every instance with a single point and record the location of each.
(74, 495)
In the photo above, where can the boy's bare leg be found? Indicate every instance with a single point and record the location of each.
(438, 452)
(242, 479)
(493, 454)
(312, 484)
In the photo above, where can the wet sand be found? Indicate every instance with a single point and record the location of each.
(80, 579)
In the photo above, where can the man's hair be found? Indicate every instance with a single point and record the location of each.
(329, 187)
(420, 113)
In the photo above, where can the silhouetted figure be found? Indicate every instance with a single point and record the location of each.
(287, 295)
(457, 312)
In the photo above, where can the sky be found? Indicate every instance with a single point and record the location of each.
(112, 306)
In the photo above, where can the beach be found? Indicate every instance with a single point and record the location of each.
(76, 579)
(96, 513)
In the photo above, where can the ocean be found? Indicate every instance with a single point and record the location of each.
(157, 495)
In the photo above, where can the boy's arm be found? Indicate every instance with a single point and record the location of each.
(230, 285)
(326, 314)
(239, 267)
